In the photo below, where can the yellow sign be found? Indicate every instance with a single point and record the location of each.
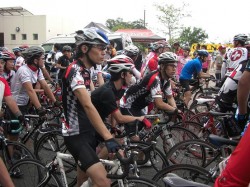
(210, 47)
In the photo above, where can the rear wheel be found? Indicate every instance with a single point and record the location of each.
(185, 171)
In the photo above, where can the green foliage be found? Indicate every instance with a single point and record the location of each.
(170, 17)
(192, 35)
(114, 25)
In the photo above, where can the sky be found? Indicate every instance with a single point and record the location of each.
(220, 19)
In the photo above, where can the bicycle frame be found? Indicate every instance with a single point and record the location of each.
(114, 164)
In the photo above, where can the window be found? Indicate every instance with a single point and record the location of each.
(35, 36)
(24, 36)
(13, 37)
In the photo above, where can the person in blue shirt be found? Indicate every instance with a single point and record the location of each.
(190, 69)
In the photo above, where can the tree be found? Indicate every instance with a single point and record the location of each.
(192, 35)
(114, 25)
(170, 17)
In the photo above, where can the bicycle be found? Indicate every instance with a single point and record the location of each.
(46, 174)
(13, 151)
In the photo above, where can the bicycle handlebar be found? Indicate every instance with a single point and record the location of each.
(125, 162)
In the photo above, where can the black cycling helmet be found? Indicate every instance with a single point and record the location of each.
(33, 52)
(66, 48)
(131, 50)
(167, 57)
(202, 53)
(240, 37)
(91, 36)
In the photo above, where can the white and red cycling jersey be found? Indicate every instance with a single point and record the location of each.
(234, 57)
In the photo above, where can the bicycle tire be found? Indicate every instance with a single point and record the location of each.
(177, 134)
(156, 157)
(20, 151)
(194, 152)
(33, 172)
(185, 171)
(135, 181)
(198, 108)
(46, 149)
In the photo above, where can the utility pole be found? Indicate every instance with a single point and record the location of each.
(144, 18)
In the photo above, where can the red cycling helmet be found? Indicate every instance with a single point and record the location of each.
(7, 56)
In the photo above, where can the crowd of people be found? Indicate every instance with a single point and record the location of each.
(99, 84)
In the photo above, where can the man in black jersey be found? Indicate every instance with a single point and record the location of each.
(105, 97)
(152, 89)
(82, 120)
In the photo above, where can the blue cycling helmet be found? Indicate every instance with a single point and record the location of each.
(202, 53)
(91, 36)
(17, 49)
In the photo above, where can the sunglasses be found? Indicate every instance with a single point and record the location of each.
(101, 47)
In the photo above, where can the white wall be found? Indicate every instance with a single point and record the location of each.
(28, 25)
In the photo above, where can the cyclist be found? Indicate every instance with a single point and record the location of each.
(235, 55)
(5, 94)
(218, 62)
(151, 89)
(132, 51)
(236, 172)
(177, 49)
(82, 121)
(151, 62)
(8, 72)
(105, 98)
(64, 61)
(227, 96)
(19, 59)
(193, 68)
(182, 60)
(22, 86)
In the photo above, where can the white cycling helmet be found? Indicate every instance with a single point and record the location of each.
(116, 68)
(240, 37)
(167, 57)
(131, 50)
(91, 36)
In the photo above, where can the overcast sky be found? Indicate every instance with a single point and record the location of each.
(219, 18)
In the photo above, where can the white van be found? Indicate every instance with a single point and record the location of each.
(121, 41)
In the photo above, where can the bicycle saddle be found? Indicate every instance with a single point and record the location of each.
(220, 141)
(174, 180)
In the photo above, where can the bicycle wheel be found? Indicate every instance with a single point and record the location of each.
(149, 162)
(198, 108)
(46, 149)
(33, 172)
(138, 182)
(15, 151)
(195, 152)
(175, 134)
(185, 171)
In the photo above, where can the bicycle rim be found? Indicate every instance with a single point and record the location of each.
(32, 172)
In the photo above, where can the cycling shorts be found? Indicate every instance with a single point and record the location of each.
(83, 149)
(185, 84)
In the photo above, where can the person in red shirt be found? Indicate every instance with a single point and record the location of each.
(177, 49)
(5, 94)
(151, 63)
